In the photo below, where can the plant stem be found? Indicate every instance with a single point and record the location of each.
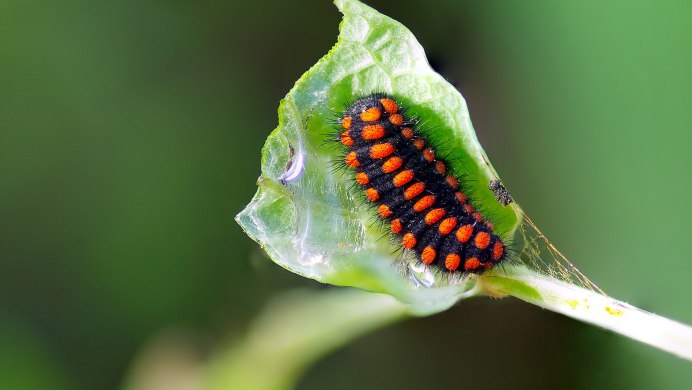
(594, 308)
(295, 330)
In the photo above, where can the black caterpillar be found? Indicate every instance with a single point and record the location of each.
(423, 204)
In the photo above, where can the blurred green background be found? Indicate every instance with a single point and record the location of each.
(130, 135)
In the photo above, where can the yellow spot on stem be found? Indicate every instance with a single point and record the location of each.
(614, 312)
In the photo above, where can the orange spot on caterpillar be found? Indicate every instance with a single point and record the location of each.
(362, 178)
(477, 216)
(428, 255)
(423, 203)
(392, 164)
(352, 160)
(471, 263)
(452, 181)
(396, 119)
(381, 150)
(372, 194)
(409, 241)
(434, 215)
(489, 225)
(346, 122)
(461, 197)
(402, 178)
(440, 167)
(498, 250)
(429, 154)
(464, 233)
(396, 226)
(346, 138)
(447, 225)
(468, 208)
(482, 240)
(414, 190)
(371, 114)
(389, 105)
(452, 261)
(372, 132)
(407, 132)
(384, 211)
(419, 143)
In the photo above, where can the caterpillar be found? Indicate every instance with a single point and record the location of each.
(412, 190)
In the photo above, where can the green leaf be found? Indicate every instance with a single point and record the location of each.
(306, 216)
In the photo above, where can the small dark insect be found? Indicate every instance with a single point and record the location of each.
(500, 192)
